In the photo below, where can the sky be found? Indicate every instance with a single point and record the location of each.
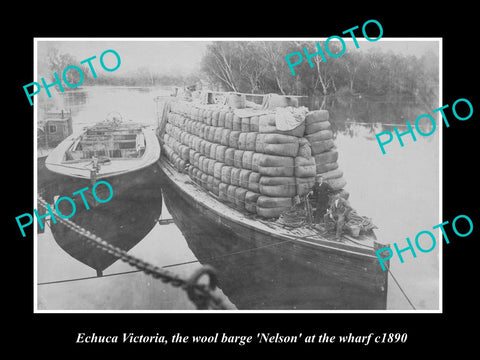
(164, 55)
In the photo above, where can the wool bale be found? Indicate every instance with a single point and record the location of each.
(235, 176)
(230, 156)
(220, 153)
(215, 186)
(304, 148)
(211, 166)
(320, 136)
(251, 201)
(237, 158)
(247, 159)
(196, 157)
(210, 183)
(222, 191)
(242, 141)
(255, 161)
(185, 153)
(208, 148)
(322, 168)
(244, 178)
(245, 124)
(226, 174)
(194, 174)
(304, 185)
(319, 147)
(316, 116)
(221, 119)
(272, 211)
(190, 171)
(317, 126)
(251, 141)
(211, 133)
(207, 115)
(203, 162)
(217, 169)
(278, 186)
(305, 167)
(204, 180)
(277, 144)
(191, 154)
(337, 183)
(273, 165)
(213, 151)
(254, 124)
(326, 157)
(202, 147)
(240, 197)
(253, 182)
(215, 115)
(231, 193)
(217, 138)
(202, 130)
(237, 123)
(229, 121)
(233, 139)
(225, 137)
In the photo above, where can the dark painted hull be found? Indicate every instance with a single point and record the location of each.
(282, 272)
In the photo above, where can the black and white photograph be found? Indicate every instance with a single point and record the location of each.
(238, 174)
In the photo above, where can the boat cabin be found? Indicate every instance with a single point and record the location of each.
(115, 142)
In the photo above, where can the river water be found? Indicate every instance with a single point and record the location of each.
(399, 191)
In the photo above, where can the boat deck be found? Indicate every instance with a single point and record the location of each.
(364, 245)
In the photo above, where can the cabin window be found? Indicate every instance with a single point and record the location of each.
(52, 129)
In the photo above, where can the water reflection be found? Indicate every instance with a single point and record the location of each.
(124, 221)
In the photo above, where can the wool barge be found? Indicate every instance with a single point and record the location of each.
(185, 131)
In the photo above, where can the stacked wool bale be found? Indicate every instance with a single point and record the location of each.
(245, 161)
(318, 132)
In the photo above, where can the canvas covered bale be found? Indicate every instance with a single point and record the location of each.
(277, 186)
(322, 146)
(233, 139)
(251, 141)
(272, 165)
(244, 178)
(251, 201)
(221, 118)
(247, 159)
(213, 151)
(333, 174)
(240, 197)
(322, 168)
(230, 156)
(235, 176)
(304, 148)
(245, 127)
(229, 121)
(216, 183)
(217, 138)
(316, 116)
(277, 144)
(237, 123)
(254, 124)
(317, 126)
(211, 166)
(337, 183)
(222, 192)
(226, 174)
(272, 207)
(225, 137)
(217, 169)
(253, 182)
(231, 189)
(326, 157)
(210, 183)
(237, 158)
(220, 153)
(242, 141)
(321, 135)
(215, 115)
(305, 167)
